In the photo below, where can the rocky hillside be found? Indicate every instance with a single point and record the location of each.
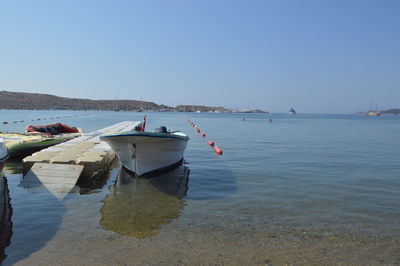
(23, 100)
(392, 111)
(38, 101)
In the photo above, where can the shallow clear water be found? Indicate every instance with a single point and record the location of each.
(315, 189)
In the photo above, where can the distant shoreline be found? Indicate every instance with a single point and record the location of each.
(382, 112)
(37, 101)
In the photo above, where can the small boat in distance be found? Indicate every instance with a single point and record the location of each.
(292, 111)
(148, 153)
(373, 113)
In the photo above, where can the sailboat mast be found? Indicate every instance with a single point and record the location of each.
(116, 103)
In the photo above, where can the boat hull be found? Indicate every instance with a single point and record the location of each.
(4, 152)
(22, 145)
(148, 154)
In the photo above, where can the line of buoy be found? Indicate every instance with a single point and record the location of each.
(38, 119)
(211, 143)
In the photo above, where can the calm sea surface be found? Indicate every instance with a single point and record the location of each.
(305, 189)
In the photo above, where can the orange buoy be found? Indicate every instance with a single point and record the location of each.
(218, 150)
(211, 143)
(203, 134)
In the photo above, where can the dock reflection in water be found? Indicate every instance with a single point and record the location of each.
(5, 218)
(36, 217)
(139, 207)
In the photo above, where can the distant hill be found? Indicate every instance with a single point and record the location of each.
(391, 111)
(201, 108)
(38, 101)
(23, 100)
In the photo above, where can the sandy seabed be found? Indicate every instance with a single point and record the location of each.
(203, 239)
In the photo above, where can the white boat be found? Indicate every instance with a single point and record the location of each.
(4, 153)
(148, 153)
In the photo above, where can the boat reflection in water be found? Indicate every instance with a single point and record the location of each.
(12, 167)
(139, 207)
(5, 218)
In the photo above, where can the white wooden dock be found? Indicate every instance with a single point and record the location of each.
(59, 167)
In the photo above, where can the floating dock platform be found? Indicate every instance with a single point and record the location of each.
(61, 166)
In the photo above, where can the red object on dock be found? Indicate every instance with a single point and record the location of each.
(218, 150)
(198, 130)
(203, 134)
(211, 143)
(51, 129)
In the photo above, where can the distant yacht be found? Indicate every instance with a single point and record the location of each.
(373, 113)
(376, 113)
(292, 111)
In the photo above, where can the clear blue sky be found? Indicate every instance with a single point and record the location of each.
(317, 56)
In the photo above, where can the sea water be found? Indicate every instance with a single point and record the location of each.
(302, 189)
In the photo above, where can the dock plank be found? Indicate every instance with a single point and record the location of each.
(59, 179)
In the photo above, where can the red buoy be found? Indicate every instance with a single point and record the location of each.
(198, 130)
(218, 150)
(203, 134)
(211, 143)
